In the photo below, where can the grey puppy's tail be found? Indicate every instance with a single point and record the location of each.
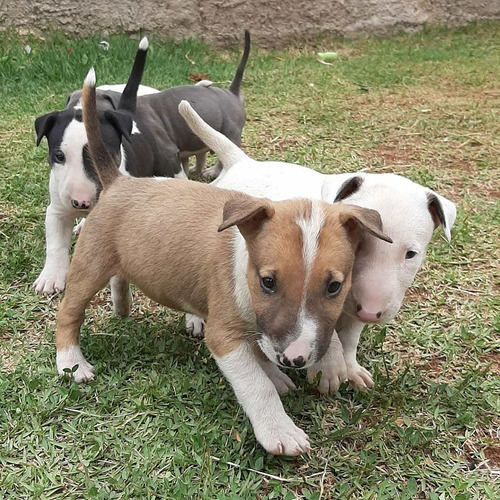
(128, 100)
(236, 83)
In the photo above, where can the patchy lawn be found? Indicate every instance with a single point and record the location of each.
(159, 420)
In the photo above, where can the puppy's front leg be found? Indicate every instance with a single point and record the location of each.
(332, 367)
(281, 381)
(258, 396)
(58, 226)
(349, 330)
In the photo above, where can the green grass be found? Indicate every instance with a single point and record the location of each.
(160, 421)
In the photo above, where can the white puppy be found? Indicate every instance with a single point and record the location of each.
(382, 273)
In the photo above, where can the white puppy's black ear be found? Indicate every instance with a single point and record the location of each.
(332, 193)
(349, 187)
(121, 121)
(443, 212)
(44, 124)
(358, 220)
(247, 213)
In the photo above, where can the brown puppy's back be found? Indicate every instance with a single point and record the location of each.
(144, 231)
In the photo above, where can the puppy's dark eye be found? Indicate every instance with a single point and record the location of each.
(59, 156)
(333, 289)
(267, 284)
(410, 254)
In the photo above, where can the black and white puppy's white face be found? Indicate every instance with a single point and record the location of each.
(74, 184)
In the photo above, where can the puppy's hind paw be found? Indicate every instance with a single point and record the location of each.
(195, 326)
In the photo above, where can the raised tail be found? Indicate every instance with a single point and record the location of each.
(105, 165)
(227, 152)
(128, 100)
(236, 83)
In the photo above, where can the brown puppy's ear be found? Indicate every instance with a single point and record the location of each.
(247, 213)
(357, 219)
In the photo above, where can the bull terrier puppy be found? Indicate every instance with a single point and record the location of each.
(271, 283)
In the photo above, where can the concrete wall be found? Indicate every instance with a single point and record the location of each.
(219, 22)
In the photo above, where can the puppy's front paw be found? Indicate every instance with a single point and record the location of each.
(281, 381)
(282, 437)
(67, 359)
(51, 280)
(195, 326)
(333, 372)
(359, 378)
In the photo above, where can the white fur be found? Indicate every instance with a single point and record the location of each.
(70, 358)
(120, 87)
(181, 174)
(241, 291)
(78, 227)
(306, 326)
(311, 228)
(204, 83)
(69, 178)
(259, 398)
(144, 44)
(58, 226)
(90, 78)
(135, 128)
(227, 152)
(195, 326)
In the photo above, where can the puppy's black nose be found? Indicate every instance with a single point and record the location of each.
(299, 362)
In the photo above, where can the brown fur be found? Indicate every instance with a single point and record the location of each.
(107, 168)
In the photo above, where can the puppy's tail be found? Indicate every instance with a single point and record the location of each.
(128, 100)
(227, 152)
(236, 83)
(105, 165)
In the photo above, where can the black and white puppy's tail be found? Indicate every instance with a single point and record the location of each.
(227, 152)
(128, 100)
(105, 165)
(238, 77)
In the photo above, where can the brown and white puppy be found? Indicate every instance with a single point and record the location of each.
(273, 274)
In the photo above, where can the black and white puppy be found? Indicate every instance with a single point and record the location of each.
(73, 184)
(159, 145)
